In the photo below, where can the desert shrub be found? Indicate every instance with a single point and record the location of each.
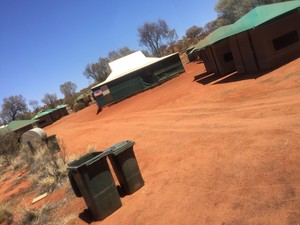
(2, 166)
(5, 215)
(45, 215)
(91, 148)
(36, 216)
(9, 147)
(48, 170)
(78, 106)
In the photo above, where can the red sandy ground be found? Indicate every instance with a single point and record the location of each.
(222, 153)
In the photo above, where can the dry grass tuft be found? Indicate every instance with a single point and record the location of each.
(5, 215)
(48, 170)
(36, 216)
(91, 148)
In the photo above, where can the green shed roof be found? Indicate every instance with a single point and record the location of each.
(42, 113)
(16, 125)
(60, 106)
(213, 37)
(252, 19)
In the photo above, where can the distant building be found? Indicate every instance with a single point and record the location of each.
(49, 116)
(18, 126)
(62, 110)
(84, 98)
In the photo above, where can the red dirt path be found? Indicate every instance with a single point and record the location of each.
(225, 153)
(210, 154)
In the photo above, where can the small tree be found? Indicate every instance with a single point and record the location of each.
(211, 26)
(12, 107)
(155, 36)
(50, 100)
(125, 51)
(98, 71)
(34, 105)
(194, 32)
(114, 55)
(172, 39)
(68, 89)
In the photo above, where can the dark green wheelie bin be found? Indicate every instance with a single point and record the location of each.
(90, 177)
(125, 165)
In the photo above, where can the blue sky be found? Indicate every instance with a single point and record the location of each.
(46, 43)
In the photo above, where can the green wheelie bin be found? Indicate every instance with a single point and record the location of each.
(125, 165)
(90, 177)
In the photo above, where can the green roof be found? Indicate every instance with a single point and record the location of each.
(16, 125)
(213, 37)
(42, 113)
(60, 106)
(252, 19)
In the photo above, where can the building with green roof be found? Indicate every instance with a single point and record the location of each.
(44, 118)
(49, 116)
(18, 126)
(264, 38)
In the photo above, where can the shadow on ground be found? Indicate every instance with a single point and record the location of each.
(86, 216)
(213, 79)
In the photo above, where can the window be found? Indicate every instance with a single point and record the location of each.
(285, 40)
(228, 57)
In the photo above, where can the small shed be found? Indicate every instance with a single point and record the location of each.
(44, 118)
(62, 110)
(135, 73)
(84, 98)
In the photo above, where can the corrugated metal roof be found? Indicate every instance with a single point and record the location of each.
(136, 61)
(252, 19)
(16, 125)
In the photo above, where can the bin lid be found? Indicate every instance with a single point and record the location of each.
(120, 147)
(87, 160)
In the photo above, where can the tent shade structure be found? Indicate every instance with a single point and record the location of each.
(19, 126)
(264, 38)
(251, 20)
(133, 74)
